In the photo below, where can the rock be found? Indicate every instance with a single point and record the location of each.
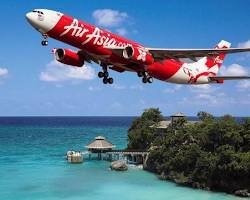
(196, 185)
(242, 193)
(119, 165)
(162, 176)
(149, 165)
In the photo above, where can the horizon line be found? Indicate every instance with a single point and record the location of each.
(105, 116)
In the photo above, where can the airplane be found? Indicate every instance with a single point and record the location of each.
(117, 53)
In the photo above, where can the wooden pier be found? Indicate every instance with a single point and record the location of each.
(131, 156)
(101, 149)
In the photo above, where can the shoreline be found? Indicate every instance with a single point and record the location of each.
(181, 180)
(243, 193)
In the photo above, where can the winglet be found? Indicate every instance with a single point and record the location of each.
(223, 44)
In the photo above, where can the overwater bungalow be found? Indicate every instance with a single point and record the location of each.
(99, 146)
(104, 150)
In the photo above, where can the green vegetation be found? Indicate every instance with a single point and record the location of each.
(141, 134)
(213, 154)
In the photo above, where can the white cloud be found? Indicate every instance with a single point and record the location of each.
(204, 88)
(246, 55)
(93, 88)
(207, 98)
(3, 72)
(243, 85)
(122, 31)
(56, 71)
(109, 18)
(172, 89)
(136, 87)
(234, 70)
(245, 44)
(118, 87)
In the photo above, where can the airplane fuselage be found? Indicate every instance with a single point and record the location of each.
(103, 47)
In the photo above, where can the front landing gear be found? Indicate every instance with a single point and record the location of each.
(105, 75)
(45, 41)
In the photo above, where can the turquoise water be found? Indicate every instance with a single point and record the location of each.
(32, 165)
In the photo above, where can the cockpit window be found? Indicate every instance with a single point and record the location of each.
(37, 11)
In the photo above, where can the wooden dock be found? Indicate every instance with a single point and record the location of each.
(131, 156)
(101, 149)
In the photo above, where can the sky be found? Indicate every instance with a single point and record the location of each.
(32, 83)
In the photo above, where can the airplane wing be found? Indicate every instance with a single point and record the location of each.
(161, 54)
(222, 78)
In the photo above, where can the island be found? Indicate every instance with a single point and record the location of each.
(212, 153)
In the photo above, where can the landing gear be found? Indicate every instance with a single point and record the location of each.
(45, 41)
(144, 80)
(105, 75)
(150, 79)
(140, 74)
(105, 80)
(145, 77)
(100, 74)
(108, 80)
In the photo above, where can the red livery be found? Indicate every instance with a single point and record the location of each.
(113, 52)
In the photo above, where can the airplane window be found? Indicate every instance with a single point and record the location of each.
(35, 11)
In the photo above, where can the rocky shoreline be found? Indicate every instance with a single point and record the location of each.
(180, 179)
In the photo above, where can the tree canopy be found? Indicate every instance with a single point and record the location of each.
(141, 134)
(213, 153)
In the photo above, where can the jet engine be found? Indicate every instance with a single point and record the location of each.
(138, 55)
(68, 57)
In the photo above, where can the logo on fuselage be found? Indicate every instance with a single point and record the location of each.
(97, 36)
(142, 54)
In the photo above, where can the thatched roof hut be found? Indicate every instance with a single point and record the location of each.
(178, 114)
(100, 144)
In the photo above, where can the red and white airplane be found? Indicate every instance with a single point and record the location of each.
(119, 54)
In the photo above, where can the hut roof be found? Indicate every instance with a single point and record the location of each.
(161, 124)
(178, 114)
(100, 143)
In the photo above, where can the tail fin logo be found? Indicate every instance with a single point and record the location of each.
(218, 59)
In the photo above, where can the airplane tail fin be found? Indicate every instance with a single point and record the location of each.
(213, 63)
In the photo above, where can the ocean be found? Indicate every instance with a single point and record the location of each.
(32, 163)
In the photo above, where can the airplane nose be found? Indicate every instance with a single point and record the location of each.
(43, 20)
(30, 17)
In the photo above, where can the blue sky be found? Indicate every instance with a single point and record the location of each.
(31, 83)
